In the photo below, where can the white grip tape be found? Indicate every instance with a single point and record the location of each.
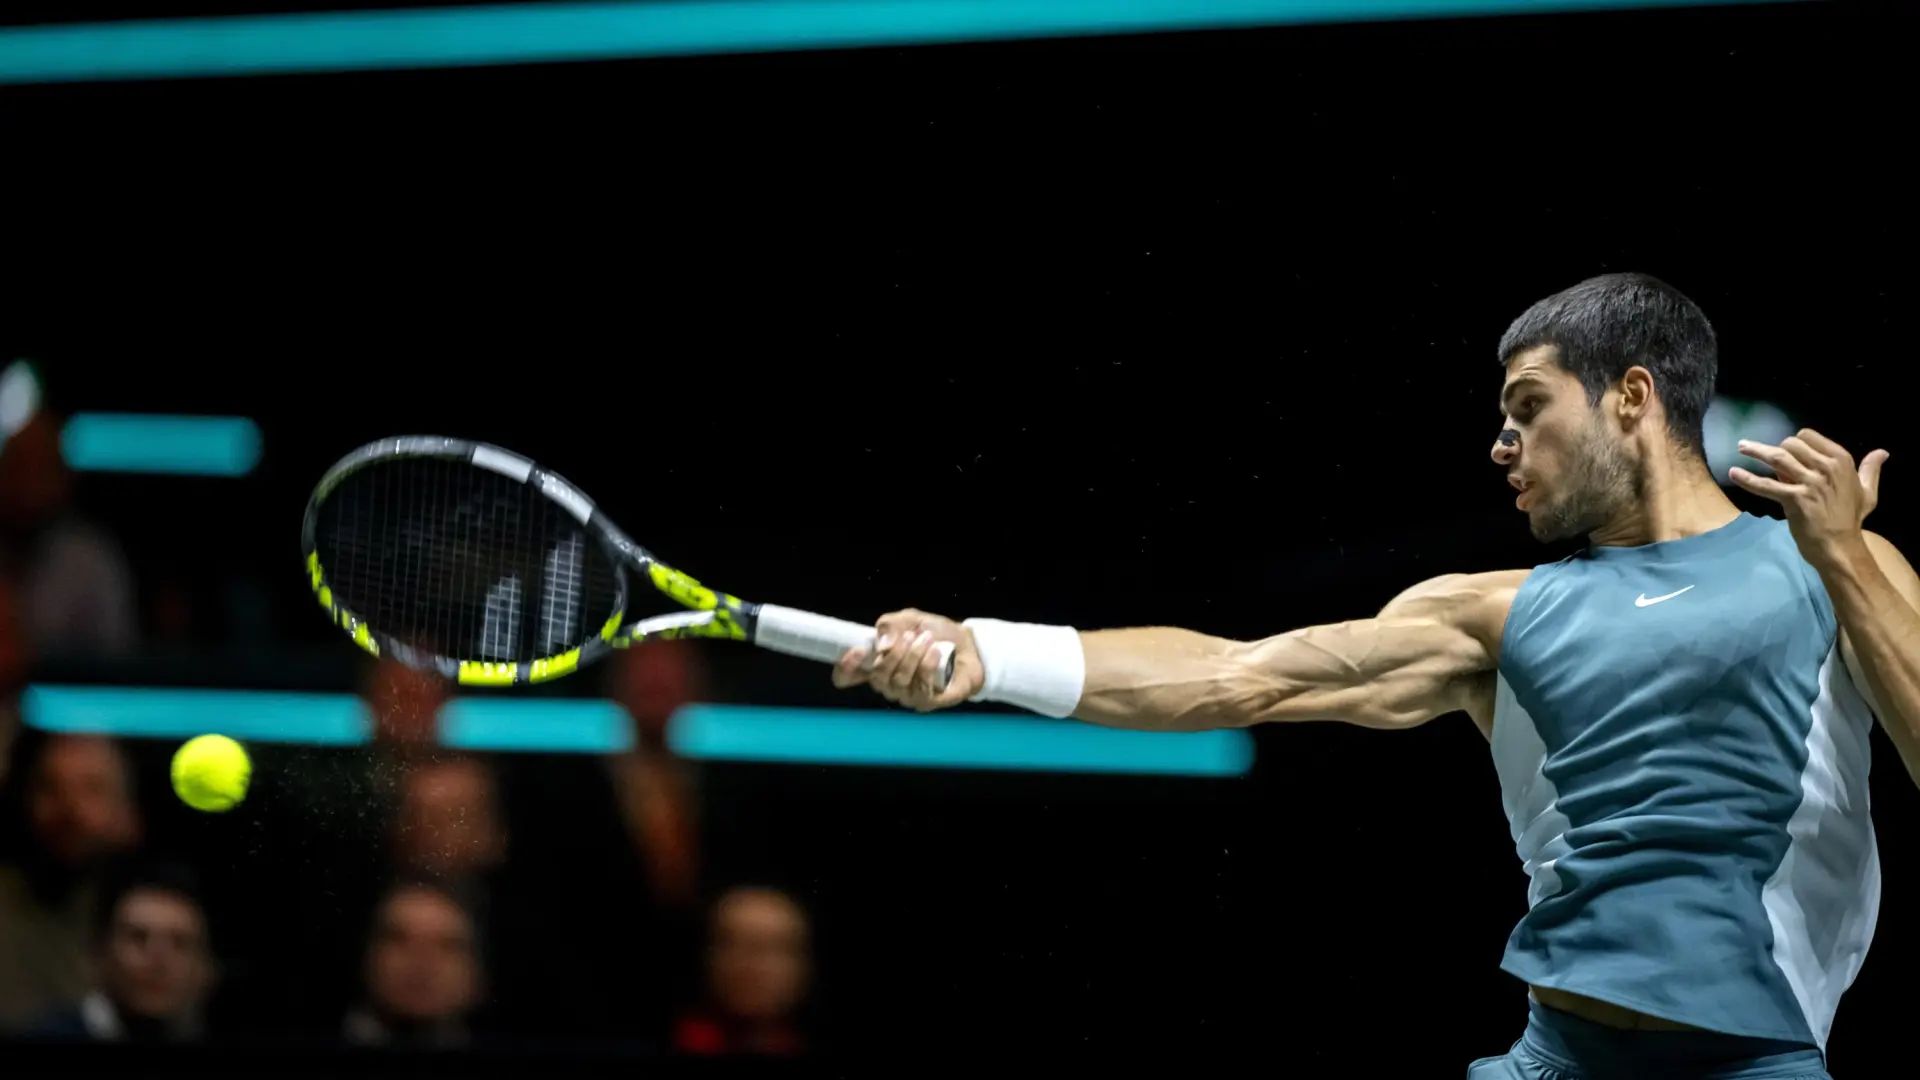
(818, 637)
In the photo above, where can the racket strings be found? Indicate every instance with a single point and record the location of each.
(462, 562)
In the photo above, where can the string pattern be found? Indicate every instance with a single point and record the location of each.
(462, 561)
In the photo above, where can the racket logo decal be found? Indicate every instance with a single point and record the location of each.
(684, 589)
(487, 673)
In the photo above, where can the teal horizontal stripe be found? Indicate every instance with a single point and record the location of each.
(950, 741)
(702, 732)
(152, 443)
(165, 713)
(534, 33)
(535, 726)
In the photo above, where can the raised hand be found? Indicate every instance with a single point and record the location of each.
(1826, 495)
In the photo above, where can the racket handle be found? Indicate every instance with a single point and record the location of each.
(817, 637)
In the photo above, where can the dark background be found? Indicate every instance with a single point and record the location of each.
(1193, 329)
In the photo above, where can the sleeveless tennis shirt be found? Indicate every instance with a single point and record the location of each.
(1683, 758)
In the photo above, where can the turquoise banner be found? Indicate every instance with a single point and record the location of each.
(156, 444)
(869, 738)
(551, 32)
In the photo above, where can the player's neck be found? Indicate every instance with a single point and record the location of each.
(1679, 498)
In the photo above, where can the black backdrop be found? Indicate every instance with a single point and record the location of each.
(1193, 329)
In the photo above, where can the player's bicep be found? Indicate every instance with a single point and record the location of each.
(1418, 659)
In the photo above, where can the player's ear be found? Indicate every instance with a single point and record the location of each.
(1636, 393)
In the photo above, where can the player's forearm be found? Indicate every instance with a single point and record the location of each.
(1372, 672)
(1884, 630)
(1164, 679)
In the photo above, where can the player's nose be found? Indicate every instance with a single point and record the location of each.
(1506, 447)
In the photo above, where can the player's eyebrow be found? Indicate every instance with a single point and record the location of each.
(1508, 391)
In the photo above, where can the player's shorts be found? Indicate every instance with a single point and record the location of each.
(1561, 1046)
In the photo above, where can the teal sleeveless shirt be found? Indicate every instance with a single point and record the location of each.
(1683, 759)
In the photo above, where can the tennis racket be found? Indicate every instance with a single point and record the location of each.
(466, 560)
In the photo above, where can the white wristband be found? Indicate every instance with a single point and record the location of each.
(1038, 668)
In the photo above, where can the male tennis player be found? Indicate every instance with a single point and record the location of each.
(1678, 714)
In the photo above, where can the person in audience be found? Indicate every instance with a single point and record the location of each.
(423, 975)
(154, 968)
(450, 822)
(657, 789)
(13, 675)
(405, 704)
(759, 970)
(75, 586)
(76, 803)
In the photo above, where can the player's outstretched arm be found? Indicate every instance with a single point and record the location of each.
(1424, 655)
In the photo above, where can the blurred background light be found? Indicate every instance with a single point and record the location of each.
(953, 741)
(169, 445)
(164, 713)
(532, 725)
(1729, 420)
(699, 732)
(534, 33)
(19, 398)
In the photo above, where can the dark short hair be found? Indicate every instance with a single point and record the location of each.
(148, 873)
(1607, 324)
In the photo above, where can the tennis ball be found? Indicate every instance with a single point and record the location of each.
(211, 773)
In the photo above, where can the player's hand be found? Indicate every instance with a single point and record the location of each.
(905, 663)
(1827, 497)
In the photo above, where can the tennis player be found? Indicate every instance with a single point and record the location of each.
(1679, 714)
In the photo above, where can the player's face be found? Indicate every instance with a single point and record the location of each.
(1572, 474)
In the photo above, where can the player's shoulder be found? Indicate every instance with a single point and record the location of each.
(1475, 603)
(1452, 590)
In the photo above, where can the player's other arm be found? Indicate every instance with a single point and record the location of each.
(1876, 596)
(1424, 655)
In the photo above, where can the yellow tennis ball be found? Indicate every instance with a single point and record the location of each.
(211, 773)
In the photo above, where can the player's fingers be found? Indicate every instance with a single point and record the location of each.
(1762, 485)
(899, 624)
(1870, 470)
(926, 677)
(1820, 444)
(906, 670)
(1807, 454)
(1784, 464)
(889, 652)
(850, 670)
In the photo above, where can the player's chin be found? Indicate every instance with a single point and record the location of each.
(1548, 527)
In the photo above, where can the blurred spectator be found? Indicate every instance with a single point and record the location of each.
(78, 807)
(450, 821)
(759, 967)
(656, 789)
(153, 961)
(406, 708)
(75, 586)
(423, 971)
(13, 675)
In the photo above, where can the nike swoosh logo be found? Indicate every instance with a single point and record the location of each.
(1643, 600)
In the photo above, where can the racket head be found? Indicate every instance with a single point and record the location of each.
(465, 560)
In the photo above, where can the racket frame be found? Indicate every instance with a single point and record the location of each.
(710, 614)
